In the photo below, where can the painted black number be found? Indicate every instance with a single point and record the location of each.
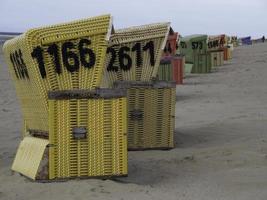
(86, 53)
(69, 58)
(23, 65)
(125, 61)
(53, 51)
(38, 54)
(183, 45)
(123, 56)
(14, 65)
(209, 45)
(137, 48)
(197, 45)
(19, 65)
(194, 45)
(111, 66)
(150, 46)
(200, 45)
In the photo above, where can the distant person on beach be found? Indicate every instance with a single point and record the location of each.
(263, 38)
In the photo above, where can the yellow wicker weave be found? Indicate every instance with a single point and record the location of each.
(103, 150)
(151, 114)
(229, 53)
(134, 53)
(216, 58)
(65, 56)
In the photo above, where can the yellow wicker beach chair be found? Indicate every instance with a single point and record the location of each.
(74, 129)
(151, 114)
(134, 53)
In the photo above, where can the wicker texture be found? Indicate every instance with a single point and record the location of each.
(227, 53)
(217, 58)
(104, 150)
(154, 33)
(202, 63)
(151, 111)
(32, 90)
(165, 72)
(171, 69)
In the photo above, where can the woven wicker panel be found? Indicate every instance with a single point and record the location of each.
(151, 111)
(221, 56)
(165, 72)
(29, 156)
(171, 69)
(216, 58)
(134, 53)
(229, 53)
(65, 56)
(103, 152)
(202, 63)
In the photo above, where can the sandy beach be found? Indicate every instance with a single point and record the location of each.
(220, 143)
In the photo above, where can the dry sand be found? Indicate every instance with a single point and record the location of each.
(221, 143)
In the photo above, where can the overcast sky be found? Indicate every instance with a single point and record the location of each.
(233, 17)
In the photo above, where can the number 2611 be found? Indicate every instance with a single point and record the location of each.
(125, 60)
